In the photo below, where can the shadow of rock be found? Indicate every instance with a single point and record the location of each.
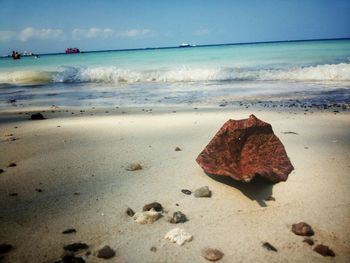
(258, 189)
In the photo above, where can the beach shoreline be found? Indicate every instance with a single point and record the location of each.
(78, 161)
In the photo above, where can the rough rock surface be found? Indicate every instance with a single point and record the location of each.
(324, 251)
(106, 252)
(155, 205)
(178, 236)
(178, 217)
(212, 254)
(245, 148)
(147, 217)
(302, 229)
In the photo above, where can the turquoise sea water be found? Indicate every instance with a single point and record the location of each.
(196, 75)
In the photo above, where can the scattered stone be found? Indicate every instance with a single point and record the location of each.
(130, 212)
(106, 252)
(71, 259)
(12, 165)
(38, 190)
(13, 194)
(133, 167)
(1, 171)
(242, 149)
(4, 248)
(146, 217)
(324, 251)
(302, 229)
(153, 249)
(37, 116)
(178, 217)
(69, 231)
(178, 236)
(212, 254)
(202, 192)
(270, 198)
(186, 191)
(75, 247)
(309, 241)
(155, 205)
(268, 246)
(177, 149)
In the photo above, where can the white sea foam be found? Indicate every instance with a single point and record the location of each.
(114, 75)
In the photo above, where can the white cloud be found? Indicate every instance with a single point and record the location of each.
(93, 32)
(30, 33)
(43, 34)
(201, 32)
(134, 33)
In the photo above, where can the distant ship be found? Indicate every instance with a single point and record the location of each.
(185, 45)
(26, 53)
(72, 50)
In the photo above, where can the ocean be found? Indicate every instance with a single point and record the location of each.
(315, 72)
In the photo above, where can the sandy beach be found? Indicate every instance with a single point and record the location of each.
(70, 173)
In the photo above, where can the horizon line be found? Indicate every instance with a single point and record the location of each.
(191, 46)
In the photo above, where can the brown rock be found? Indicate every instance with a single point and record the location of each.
(212, 254)
(302, 229)
(155, 205)
(134, 167)
(324, 251)
(106, 252)
(268, 246)
(309, 241)
(69, 231)
(75, 247)
(245, 148)
(130, 212)
(37, 116)
(177, 149)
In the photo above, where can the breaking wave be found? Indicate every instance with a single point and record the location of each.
(114, 75)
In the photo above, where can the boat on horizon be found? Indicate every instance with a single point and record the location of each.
(72, 50)
(185, 45)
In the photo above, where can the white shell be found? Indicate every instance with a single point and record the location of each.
(146, 217)
(178, 236)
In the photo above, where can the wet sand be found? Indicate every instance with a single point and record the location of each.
(78, 162)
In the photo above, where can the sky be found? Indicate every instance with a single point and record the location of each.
(52, 26)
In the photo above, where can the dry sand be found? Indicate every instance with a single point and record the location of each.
(88, 155)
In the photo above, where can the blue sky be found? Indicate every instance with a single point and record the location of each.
(51, 26)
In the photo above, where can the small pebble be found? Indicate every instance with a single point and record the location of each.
(133, 167)
(37, 116)
(177, 149)
(153, 249)
(106, 252)
(268, 246)
(38, 190)
(186, 192)
(12, 165)
(69, 231)
(324, 251)
(178, 217)
(202, 192)
(302, 229)
(13, 194)
(1, 171)
(130, 212)
(75, 247)
(212, 254)
(155, 205)
(309, 241)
